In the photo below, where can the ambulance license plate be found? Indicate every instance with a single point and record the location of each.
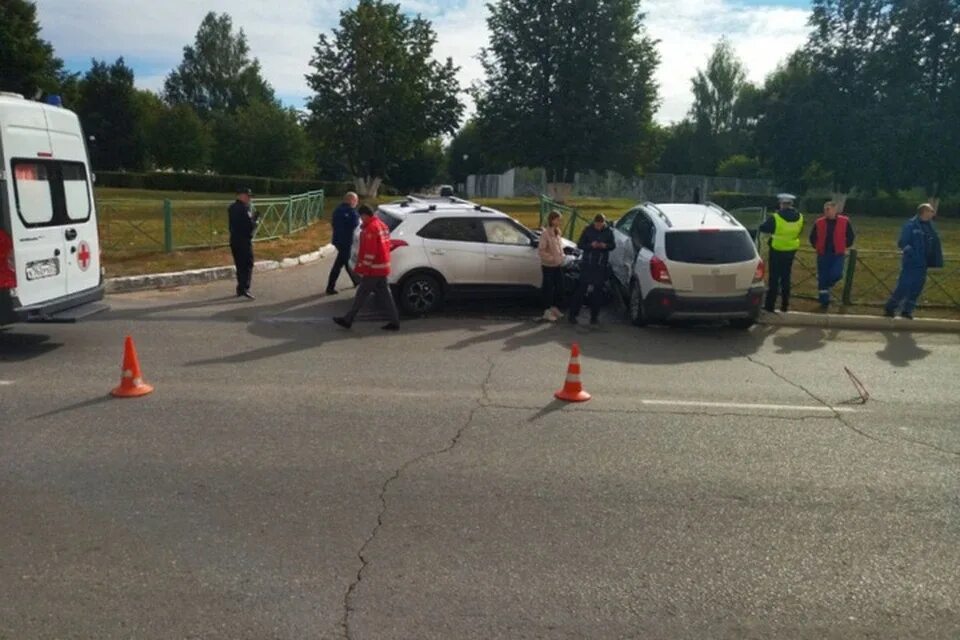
(43, 269)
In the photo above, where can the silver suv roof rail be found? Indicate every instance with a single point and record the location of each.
(724, 214)
(659, 212)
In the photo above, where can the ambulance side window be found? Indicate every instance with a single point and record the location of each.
(76, 191)
(31, 182)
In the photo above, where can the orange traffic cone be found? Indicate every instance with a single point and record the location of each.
(572, 389)
(131, 382)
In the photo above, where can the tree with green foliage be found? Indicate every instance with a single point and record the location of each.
(109, 113)
(467, 154)
(217, 73)
(739, 166)
(182, 140)
(421, 170)
(27, 63)
(793, 130)
(261, 139)
(378, 93)
(566, 88)
(150, 108)
(716, 89)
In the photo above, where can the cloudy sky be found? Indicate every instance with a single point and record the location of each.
(282, 33)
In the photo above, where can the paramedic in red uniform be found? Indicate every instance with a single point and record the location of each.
(831, 236)
(373, 267)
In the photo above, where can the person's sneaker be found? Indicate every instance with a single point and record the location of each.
(391, 326)
(248, 295)
(557, 314)
(332, 292)
(888, 313)
(343, 322)
(906, 316)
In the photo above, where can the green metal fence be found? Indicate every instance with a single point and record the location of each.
(869, 276)
(131, 227)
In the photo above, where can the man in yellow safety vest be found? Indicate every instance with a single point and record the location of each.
(784, 228)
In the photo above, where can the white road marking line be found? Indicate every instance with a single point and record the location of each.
(6, 383)
(748, 405)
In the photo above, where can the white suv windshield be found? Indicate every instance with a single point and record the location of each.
(709, 247)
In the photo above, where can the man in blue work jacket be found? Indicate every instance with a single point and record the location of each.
(922, 250)
(345, 221)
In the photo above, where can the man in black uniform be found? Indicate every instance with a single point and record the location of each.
(243, 223)
(596, 242)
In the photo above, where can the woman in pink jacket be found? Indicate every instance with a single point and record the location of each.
(551, 263)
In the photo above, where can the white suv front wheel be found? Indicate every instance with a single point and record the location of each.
(421, 294)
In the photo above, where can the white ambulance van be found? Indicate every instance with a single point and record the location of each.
(49, 244)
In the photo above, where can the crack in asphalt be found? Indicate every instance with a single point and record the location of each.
(481, 403)
(838, 416)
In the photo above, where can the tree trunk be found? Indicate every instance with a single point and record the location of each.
(367, 186)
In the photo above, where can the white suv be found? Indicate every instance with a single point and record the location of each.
(686, 261)
(441, 248)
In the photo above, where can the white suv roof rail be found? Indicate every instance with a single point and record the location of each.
(659, 212)
(724, 214)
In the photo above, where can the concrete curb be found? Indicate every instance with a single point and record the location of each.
(200, 276)
(858, 323)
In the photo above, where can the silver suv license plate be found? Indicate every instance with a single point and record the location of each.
(43, 269)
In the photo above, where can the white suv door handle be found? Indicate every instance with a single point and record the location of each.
(437, 252)
(495, 257)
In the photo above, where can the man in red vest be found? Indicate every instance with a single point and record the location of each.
(373, 267)
(831, 236)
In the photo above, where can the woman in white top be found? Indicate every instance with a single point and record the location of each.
(551, 263)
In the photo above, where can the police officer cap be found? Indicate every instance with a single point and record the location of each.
(786, 197)
(244, 191)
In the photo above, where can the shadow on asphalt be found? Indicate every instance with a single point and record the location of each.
(901, 349)
(19, 347)
(79, 405)
(306, 323)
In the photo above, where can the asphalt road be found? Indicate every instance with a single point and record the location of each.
(289, 479)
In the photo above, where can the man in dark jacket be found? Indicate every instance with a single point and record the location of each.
(922, 250)
(344, 221)
(596, 242)
(832, 234)
(243, 224)
(784, 227)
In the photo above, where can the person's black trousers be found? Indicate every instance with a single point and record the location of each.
(781, 272)
(342, 262)
(552, 286)
(368, 286)
(243, 261)
(589, 276)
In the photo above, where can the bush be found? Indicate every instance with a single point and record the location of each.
(882, 207)
(217, 183)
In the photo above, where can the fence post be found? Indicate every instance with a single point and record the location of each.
(167, 226)
(289, 215)
(848, 280)
(323, 202)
